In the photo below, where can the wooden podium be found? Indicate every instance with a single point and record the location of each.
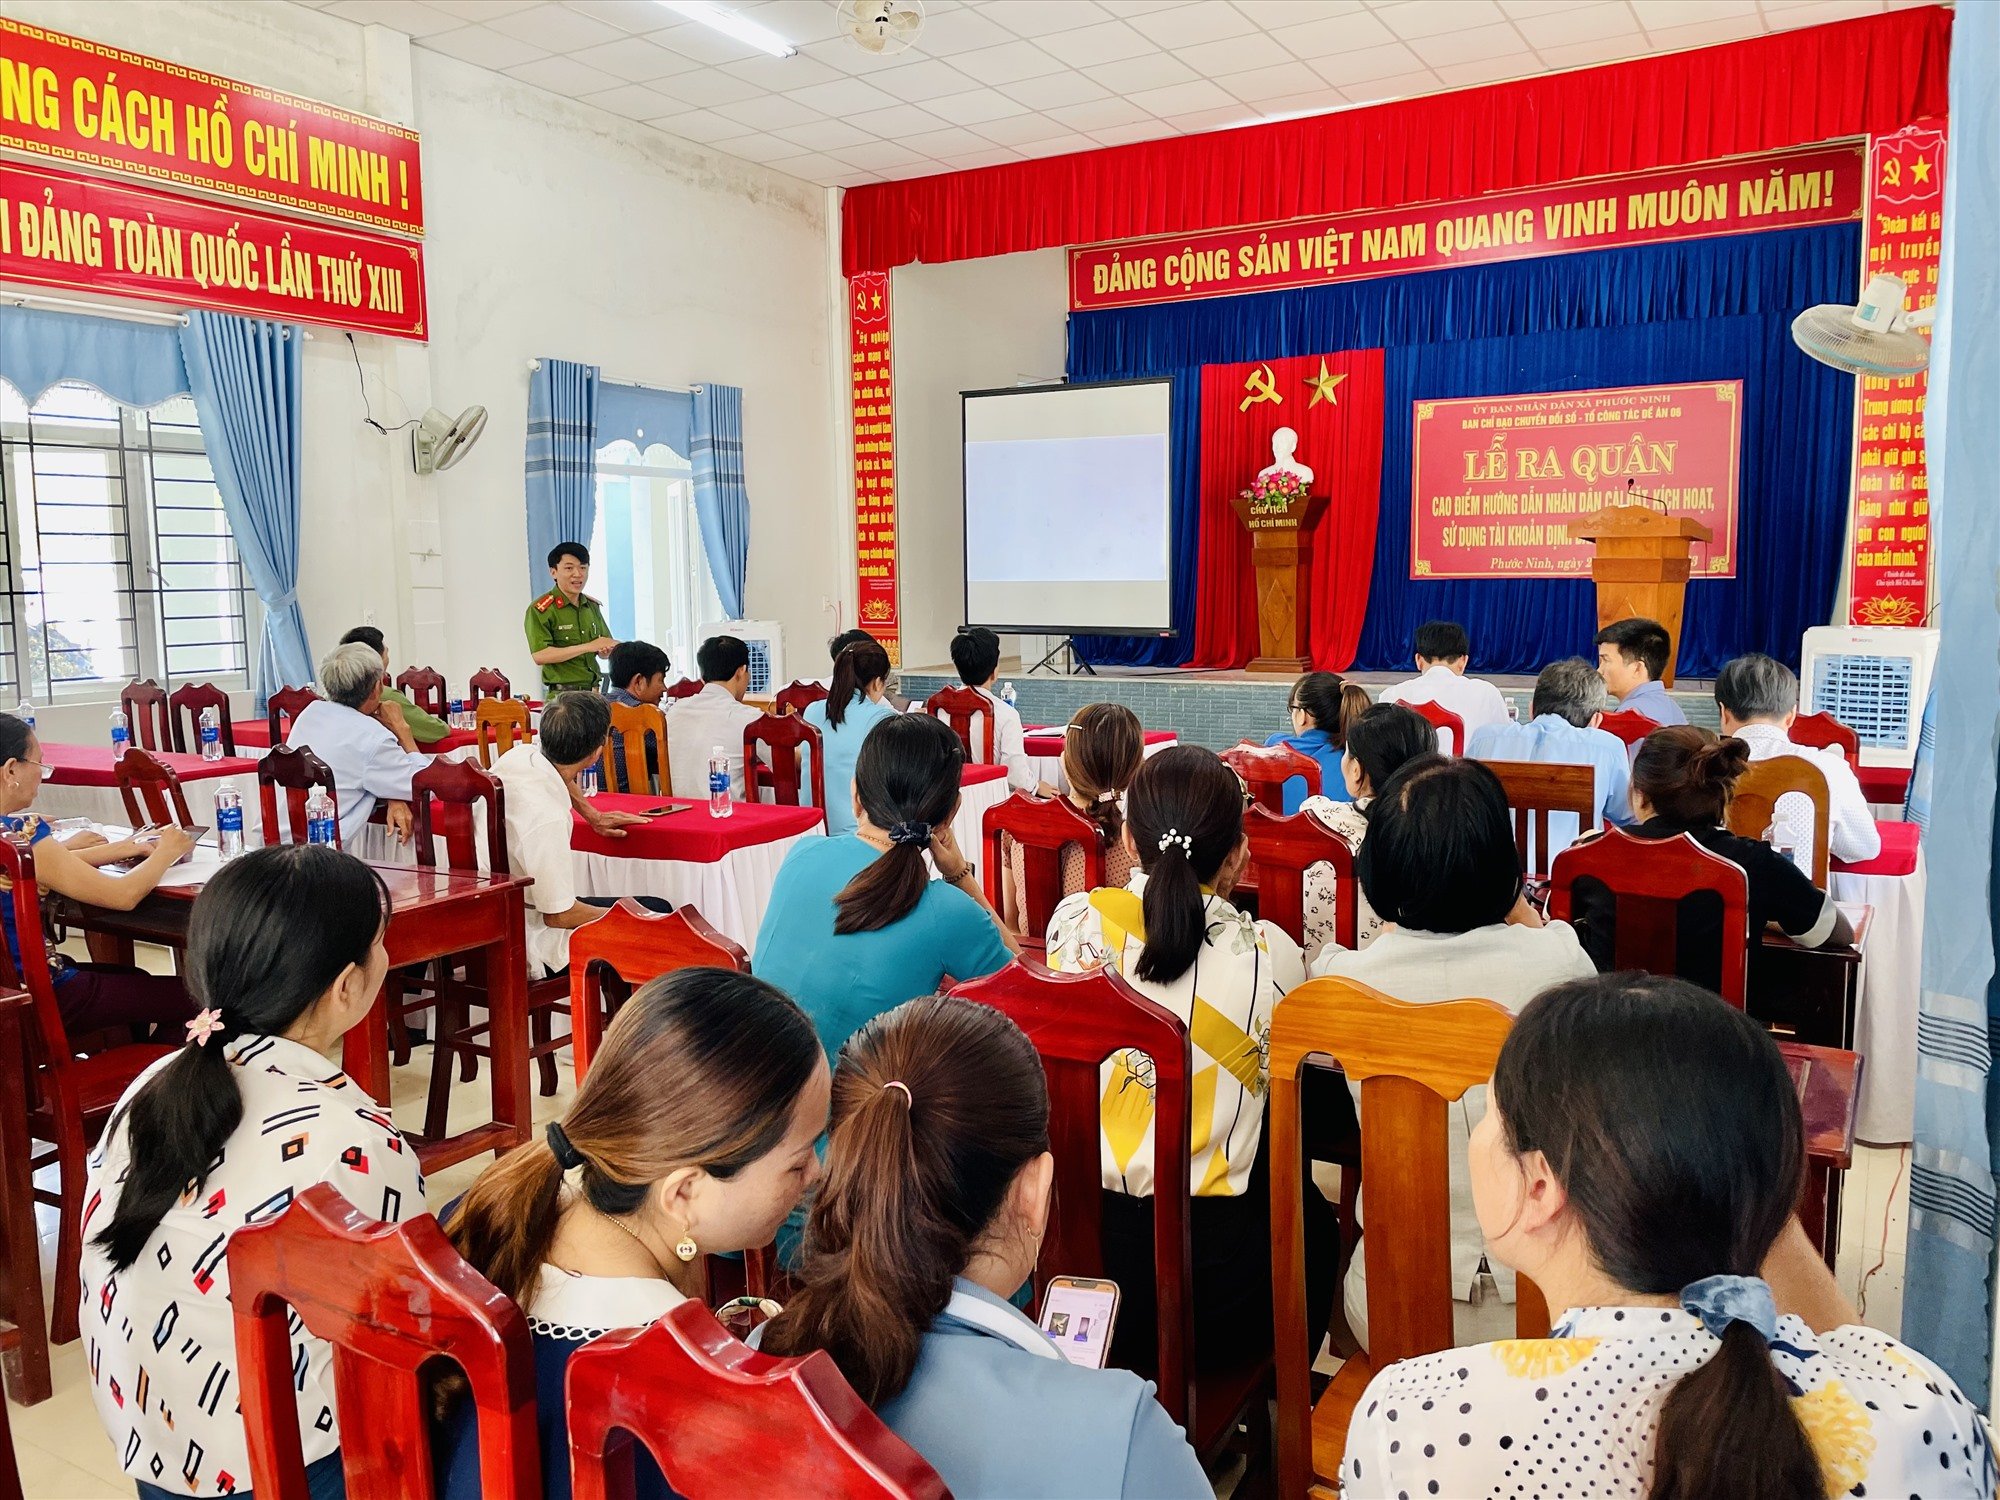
(1641, 566)
(1278, 537)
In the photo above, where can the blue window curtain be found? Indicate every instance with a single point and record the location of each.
(643, 416)
(721, 503)
(561, 466)
(244, 375)
(139, 364)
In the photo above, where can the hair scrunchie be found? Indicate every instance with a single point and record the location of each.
(567, 1156)
(1721, 1300)
(910, 833)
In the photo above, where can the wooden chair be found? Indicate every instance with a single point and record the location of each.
(501, 721)
(799, 697)
(488, 682)
(629, 945)
(1443, 719)
(73, 1096)
(426, 689)
(390, 1299)
(1629, 725)
(721, 1419)
(1266, 768)
(297, 771)
(1536, 791)
(1282, 849)
(186, 703)
(1648, 879)
(772, 747)
(1754, 806)
(24, 1328)
(1042, 828)
(284, 706)
(1411, 1061)
(687, 687)
(625, 749)
(1825, 731)
(145, 708)
(961, 708)
(150, 790)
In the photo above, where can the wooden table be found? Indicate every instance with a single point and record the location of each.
(1809, 993)
(24, 1324)
(434, 913)
(1829, 1083)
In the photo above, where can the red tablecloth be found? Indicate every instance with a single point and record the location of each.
(91, 765)
(1884, 783)
(1898, 856)
(691, 836)
(255, 734)
(973, 775)
(1050, 741)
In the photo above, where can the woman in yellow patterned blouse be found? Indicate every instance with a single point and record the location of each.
(1639, 1160)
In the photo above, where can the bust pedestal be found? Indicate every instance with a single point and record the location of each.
(1279, 537)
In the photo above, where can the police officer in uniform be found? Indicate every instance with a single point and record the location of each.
(566, 629)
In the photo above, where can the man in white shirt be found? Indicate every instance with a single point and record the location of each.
(715, 716)
(1758, 698)
(1569, 700)
(536, 778)
(975, 651)
(363, 741)
(1442, 650)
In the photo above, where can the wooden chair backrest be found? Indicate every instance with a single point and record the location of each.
(783, 739)
(1628, 724)
(800, 696)
(186, 703)
(1411, 1062)
(17, 867)
(445, 794)
(634, 945)
(721, 1419)
(1535, 791)
(961, 708)
(1043, 827)
(500, 721)
(425, 689)
(390, 1299)
(489, 682)
(1282, 849)
(687, 687)
(1266, 768)
(1443, 719)
(1648, 879)
(297, 771)
(284, 706)
(150, 790)
(625, 749)
(145, 707)
(1825, 731)
(1076, 1021)
(1755, 804)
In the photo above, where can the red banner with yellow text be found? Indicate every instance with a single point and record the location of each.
(90, 105)
(123, 239)
(1497, 481)
(1889, 567)
(1777, 190)
(874, 405)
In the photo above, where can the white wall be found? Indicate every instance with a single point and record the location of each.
(553, 229)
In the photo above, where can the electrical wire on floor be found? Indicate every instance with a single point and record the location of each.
(1882, 1255)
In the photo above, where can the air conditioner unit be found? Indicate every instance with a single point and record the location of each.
(1874, 679)
(766, 640)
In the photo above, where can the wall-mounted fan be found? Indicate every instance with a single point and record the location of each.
(881, 26)
(1874, 337)
(438, 442)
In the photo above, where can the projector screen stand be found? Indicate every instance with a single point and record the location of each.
(1073, 663)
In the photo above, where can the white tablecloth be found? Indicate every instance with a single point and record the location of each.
(730, 893)
(1885, 1022)
(103, 806)
(969, 825)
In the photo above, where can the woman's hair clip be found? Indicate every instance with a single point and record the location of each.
(1174, 836)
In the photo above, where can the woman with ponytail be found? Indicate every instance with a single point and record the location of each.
(1323, 705)
(1378, 742)
(857, 701)
(692, 1133)
(930, 1216)
(1682, 780)
(1103, 748)
(1640, 1161)
(285, 957)
(856, 924)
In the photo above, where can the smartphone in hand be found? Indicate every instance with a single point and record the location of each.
(1077, 1315)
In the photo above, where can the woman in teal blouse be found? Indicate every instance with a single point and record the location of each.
(856, 703)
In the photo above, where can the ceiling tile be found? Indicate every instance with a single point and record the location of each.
(1007, 63)
(1518, 9)
(797, 21)
(1236, 54)
(1213, 119)
(1038, 18)
(939, 144)
(483, 47)
(844, 96)
(813, 167)
(849, 60)
(1125, 135)
(410, 17)
(781, 75)
(698, 125)
(1271, 83)
(1470, 45)
(1656, 15)
(1334, 34)
(1821, 13)
(1055, 90)
(876, 156)
(1099, 114)
(957, 31)
(1058, 145)
(1595, 23)
(627, 15)
(1191, 25)
(769, 112)
(1020, 130)
(757, 147)
(930, 79)
(1402, 86)
(1274, 13)
(634, 101)
(1414, 18)
(1319, 101)
(901, 120)
(554, 28)
(635, 60)
(1140, 7)
(992, 156)
(1154, 71)
(479, 10)
(824, 135)
(1369, 62)
(1183, 98)
(702, 43)
(1476, 70)
(706, 87)
(564, 75)
(1589, 54)
(1101, 44)
(975, 108)
(1704, 34)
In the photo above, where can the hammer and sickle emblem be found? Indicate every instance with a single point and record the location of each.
(1262, 386)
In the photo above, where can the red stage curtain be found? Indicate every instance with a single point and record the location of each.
(1341, 442)
(1795, 88)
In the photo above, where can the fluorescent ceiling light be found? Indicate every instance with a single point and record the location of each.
(730, 24)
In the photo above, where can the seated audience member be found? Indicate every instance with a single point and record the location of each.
(285, 953)
(1443, 650)
(975, 651)
(638, 680)
(1378, 742)
(854, 705)
(593, 1227)
(365, 744)
(712, 719)
(1173, 934)
(856, 925)
(425, 728)
(848, 638)
(90, 997)
(931, 1213)
(1639, 1161)
(1103, 748)
(1323, 704)
(1758, 699)
(1682, 779)
(1570, 697)
(1439, 862)
(1632, 658)
(536, 777)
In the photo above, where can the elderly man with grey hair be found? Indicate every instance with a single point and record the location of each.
(362, 739)
(1569, 700)
(1758, 698)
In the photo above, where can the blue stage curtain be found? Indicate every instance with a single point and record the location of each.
(1716, 309)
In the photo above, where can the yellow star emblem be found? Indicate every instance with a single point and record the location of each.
(1323, 386)
(1922, 170)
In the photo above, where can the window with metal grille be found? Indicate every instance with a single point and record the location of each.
(647, 560)
(115, 558)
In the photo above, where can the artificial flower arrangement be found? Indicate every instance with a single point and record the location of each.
(1274, 492)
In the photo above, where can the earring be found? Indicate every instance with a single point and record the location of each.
(687, 1249)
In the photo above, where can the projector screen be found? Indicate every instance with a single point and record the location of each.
(1066, 509)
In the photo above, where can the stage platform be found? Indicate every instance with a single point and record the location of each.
(1216, 709)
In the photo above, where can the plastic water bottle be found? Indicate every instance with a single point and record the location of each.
(457, 720)
(1007, 694)
(1513, 712)
(211, 734)
(590, 781)
(229, 821)
(321, 827)
(719, 805)
(25, 712)
(121, 732)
